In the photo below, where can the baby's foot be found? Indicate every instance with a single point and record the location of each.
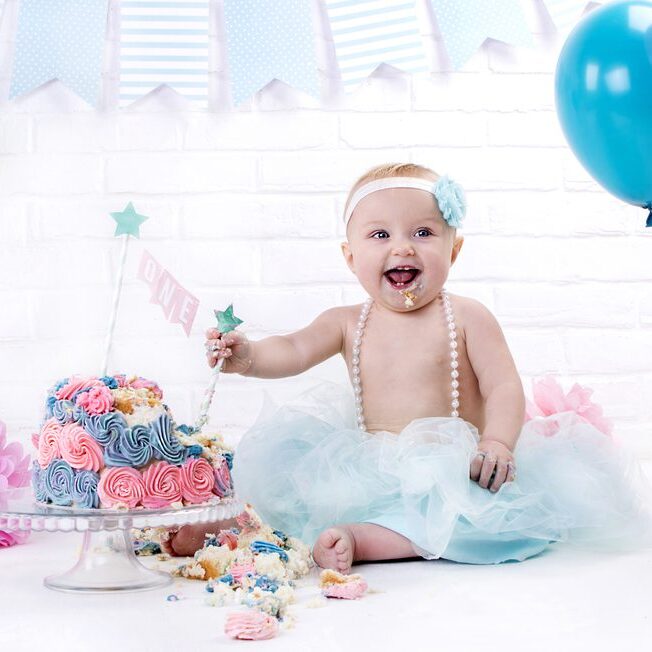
(334, 549)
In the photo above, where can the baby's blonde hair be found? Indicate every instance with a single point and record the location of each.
(393, 170)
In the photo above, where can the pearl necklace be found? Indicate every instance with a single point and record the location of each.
(452, 342)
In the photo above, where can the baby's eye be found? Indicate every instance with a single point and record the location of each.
(380, 235)
(423, 233)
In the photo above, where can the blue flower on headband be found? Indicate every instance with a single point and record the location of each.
(451, 200)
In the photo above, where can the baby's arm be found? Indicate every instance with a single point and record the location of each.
(498, 379)
(279, 356)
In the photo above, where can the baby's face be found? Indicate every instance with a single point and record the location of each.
(398, 242)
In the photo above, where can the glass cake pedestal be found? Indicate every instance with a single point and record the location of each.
(107, 561)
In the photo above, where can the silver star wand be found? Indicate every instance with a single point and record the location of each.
(226, 322)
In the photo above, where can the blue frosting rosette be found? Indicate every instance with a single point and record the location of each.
(106, 428)
(58, 481)
(62, 411)
(132, 448)
(38, 483)
(49, 407)
(84, 489)
(165, 444)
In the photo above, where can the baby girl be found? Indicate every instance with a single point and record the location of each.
(420, 459)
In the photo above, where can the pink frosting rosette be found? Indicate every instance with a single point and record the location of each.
(228, 538)
(222, 485)
(48, 442)
(76, 384)
(197, 480)
(80, 449)
(240, 570)
(162, 485)
(120, 486)
(97, 400)
(251, 625)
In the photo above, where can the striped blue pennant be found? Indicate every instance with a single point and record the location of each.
(60, 39)
(367, 33)
(270, 39)
(466, 25)
(164, 42)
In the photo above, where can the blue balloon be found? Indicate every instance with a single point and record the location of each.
(603, 93)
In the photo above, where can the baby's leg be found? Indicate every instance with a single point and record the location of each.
(190, 538)
(338, 547)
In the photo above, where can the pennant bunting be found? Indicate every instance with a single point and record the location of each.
(565, 13)
(367, 33)
(270, 39)
(164, 42)
(60, 39)
(178, 305)
(466, 25)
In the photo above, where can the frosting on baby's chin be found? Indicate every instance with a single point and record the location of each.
(410, 294)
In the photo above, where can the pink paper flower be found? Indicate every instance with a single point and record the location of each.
(14, 474)
(549, 398)
(97, 400)
(12, 538)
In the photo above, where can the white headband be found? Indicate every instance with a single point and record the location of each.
(449, 195)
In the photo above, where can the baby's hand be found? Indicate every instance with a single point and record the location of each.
(233, 346)
(493, 461)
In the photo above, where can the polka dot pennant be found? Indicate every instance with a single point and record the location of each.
(270, 39)
(466, 25)
(60, 39)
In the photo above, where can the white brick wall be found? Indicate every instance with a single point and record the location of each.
(244, 206)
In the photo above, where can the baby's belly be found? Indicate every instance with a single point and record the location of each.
(394, 414)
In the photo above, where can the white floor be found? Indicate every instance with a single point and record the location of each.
(564, 599)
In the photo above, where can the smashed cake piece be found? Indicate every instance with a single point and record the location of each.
(250, 625)
(345, 587)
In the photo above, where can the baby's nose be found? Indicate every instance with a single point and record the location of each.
(403, 250)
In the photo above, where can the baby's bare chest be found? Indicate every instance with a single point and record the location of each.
(405, 369)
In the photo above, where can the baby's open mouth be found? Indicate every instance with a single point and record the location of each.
(401, 277)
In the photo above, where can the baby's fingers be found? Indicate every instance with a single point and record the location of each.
(476, 465)
(212, 334)
(233, 338)
(488, 467)
(501, 474)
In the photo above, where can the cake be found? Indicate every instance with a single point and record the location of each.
(346, 587)
(112, 443)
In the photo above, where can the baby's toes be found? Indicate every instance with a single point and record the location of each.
(328, 538)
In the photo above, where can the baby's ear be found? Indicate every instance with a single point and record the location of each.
(457, 245)
(348, 256)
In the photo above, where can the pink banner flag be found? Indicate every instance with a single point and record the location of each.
(179, 306)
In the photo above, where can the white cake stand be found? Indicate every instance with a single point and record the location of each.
(107, 561)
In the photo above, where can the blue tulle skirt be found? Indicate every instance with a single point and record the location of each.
(305, 467)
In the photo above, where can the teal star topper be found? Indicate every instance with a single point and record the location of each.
(226, 320)
(128, 221)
